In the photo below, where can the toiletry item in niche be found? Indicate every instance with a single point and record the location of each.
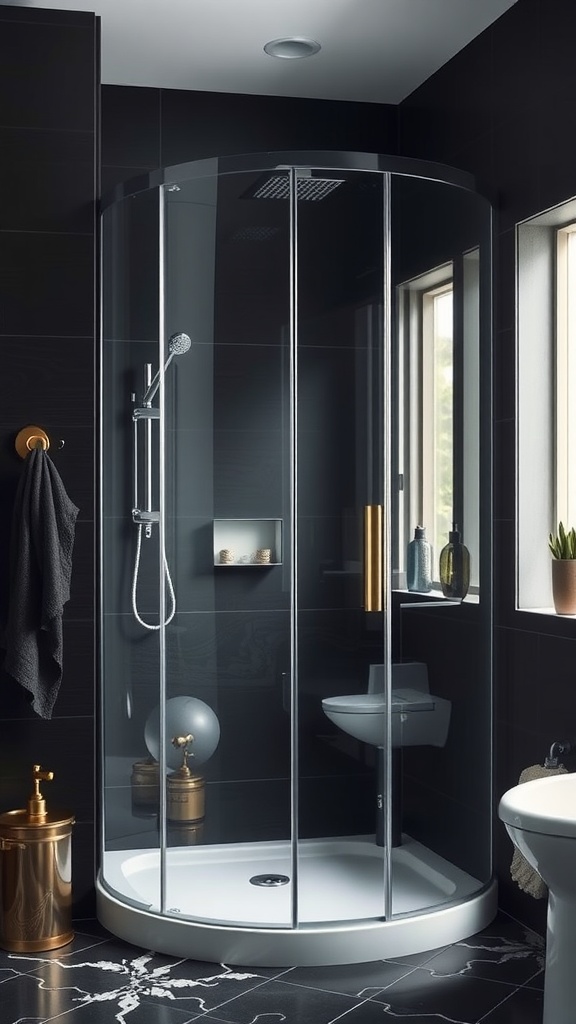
(455, 566)
(419, 563)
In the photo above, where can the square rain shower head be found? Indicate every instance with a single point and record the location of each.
(308, 189)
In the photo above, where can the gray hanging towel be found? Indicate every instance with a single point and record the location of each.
(42, 540)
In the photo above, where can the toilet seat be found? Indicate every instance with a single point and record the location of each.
(404, 699)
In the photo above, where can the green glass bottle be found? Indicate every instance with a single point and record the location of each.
(455, 566)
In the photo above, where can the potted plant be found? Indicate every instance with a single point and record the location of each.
(563, 548)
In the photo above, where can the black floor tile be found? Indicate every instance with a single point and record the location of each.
(522, 1007)
(493, 978)
(360, 980)
(491, 957)
(462, 1000)
(290, 1004)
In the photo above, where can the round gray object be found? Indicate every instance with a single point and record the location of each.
(184, 715)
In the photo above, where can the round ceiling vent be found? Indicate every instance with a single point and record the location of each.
(292, 47)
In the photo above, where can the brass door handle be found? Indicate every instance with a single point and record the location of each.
(373, 596)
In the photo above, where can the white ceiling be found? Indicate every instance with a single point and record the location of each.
(376, 51)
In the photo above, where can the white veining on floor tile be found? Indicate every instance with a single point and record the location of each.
(267, 1018)
(509, 951)
(141, 983)
(419, 1015)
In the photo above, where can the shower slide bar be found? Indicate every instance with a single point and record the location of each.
(145, 515)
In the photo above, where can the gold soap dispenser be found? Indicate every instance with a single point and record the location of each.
(185, 792)
(35, 874)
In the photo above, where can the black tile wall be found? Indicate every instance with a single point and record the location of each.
(502, 109)
(49, 87)
(145, 128)
(513, 132)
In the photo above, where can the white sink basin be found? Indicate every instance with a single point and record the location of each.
(540, 818)
(545, 805)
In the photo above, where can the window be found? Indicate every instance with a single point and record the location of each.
(438, 410)
(546, 395)
(565, 375)
(437, 430)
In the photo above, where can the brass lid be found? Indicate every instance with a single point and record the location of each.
(20, 819)
(189, 781)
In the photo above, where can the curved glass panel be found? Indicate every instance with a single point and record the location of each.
(293, 379)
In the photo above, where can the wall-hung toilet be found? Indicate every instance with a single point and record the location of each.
(418, 717)
(540, 818)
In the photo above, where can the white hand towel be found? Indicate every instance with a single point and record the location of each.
(525, 876)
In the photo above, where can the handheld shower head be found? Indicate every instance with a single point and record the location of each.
(178, 344)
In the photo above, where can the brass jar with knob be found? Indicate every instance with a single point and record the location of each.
(185, 792)
(145, 787)
(35, 874)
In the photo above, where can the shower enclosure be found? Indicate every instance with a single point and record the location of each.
(295, 373)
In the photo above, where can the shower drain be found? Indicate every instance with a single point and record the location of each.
(269, 880)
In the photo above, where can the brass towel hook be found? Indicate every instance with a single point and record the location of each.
(29, 438)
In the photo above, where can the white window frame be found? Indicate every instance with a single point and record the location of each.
(415, 499)
(545, 379)
(565, 374)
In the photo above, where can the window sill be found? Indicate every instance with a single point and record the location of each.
(436, 597)
(545, 611)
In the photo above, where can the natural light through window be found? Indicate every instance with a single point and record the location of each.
(438, 412)
(565, 425)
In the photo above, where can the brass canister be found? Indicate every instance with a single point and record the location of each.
(35, 875)
(145, 786)
(185, 797)
(185, 792)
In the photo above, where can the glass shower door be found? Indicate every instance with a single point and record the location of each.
(227, 502)
(342, 620)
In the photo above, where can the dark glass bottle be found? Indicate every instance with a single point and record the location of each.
(455, 566)
(419, 563)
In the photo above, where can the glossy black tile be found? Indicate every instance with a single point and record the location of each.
(557, 675)
(64, 746)
(463, 999)
(84, 867)
(557, 181)
(248, 481)
(516, 156)
(54, 55)
(130, 129)
(45, 16)
(524, 1006)
(504, 395)
(52, 384)
(98, 973)
(505, 295)
(360, 980)
(505, 469)
(503, 954)
(49, 176)
(21, 994)
(143, 1013)
(518, 676)
(517, 60)
(294, 1003)
(49, 284)
(204, 124)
